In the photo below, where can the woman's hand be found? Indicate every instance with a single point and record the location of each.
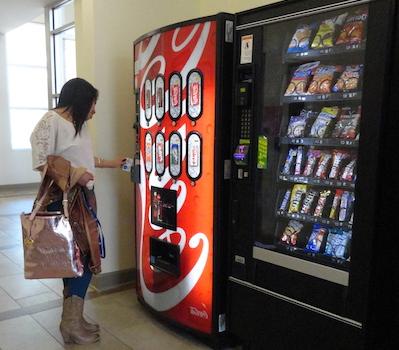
(85, 178)
(117, 162)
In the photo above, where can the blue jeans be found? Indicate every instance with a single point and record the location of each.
(75, 285)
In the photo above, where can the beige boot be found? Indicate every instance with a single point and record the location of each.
(91, 327)
(71, 326)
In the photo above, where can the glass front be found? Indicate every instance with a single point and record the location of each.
(311, 113)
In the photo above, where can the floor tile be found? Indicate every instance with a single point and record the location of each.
(8, 268)
(16, 205)
(25, 333)
(55, 284)
(38, 299)
(6, 302)
(16, 255)
(19, 287)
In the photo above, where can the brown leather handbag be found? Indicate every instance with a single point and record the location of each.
(50, 250)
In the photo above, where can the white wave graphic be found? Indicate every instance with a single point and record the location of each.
(144, 56)
(177, 48)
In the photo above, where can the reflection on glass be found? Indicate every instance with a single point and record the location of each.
(63, 15)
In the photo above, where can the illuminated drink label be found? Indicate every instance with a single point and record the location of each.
(159, 97)
(175, 154)
(147, 99)
(194, 98)
(194, 156)
(175, 96)
(160, 154)
(148, 153)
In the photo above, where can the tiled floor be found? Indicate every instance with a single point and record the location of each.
(30, 309)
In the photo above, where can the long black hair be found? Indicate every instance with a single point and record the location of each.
(77, 96)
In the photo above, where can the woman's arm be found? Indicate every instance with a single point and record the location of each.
(108, 163)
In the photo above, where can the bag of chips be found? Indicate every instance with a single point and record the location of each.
(316, 238)
(349, 79)
(301, 39)
(326, 32)
(353, 30)
(338, 242)
(300, 79)
(291, 232)
(323, 79)
(323, 121)
(298, 124)
(347, 124)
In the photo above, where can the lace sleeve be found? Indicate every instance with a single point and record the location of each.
(43, 140)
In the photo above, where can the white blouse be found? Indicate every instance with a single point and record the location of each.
(54, 135)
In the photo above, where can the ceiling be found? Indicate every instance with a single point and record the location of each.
(14, 13)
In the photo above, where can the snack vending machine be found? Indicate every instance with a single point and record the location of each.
(313, 262)
(182, 170)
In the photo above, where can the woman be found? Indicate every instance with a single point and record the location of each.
(63, 133)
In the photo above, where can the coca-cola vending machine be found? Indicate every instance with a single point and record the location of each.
(181, 172)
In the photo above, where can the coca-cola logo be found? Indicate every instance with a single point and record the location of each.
(198, 313)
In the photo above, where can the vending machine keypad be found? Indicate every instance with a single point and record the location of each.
(245, 129)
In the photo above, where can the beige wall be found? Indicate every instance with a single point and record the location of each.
(105, 31)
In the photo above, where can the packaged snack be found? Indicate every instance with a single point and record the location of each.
(346, 207)
(348, 174)
(322, 79)
(353, 30)
(297, 124)
(349, 79)
(300, 40)
(312, 157)
(291, 232)
(323, 121)
(338, 241)
(289, 161)
(347, 124)
(335, 204)
(284, 202)
(318, 212)
(316, 238)
(298, 191)
(326, 32)
(339, 157)
(299, 160)
(323, 165)
(300, 79)
(308, 201)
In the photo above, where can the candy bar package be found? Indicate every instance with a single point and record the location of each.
(316, 238)
(347, 124)
(301, 39)
(323, 79)
(298, 124)
(299, 160)
(291, 232)
(289, 161)
(323, 122)
(335, 204)
(345, 210)
(339, 157)
(353, 30)
(300, 79)
(323, 196)
(312, 158)
(326, 33)
(285, 201)
(338, 243)
(308, 202)
(348, 174)
(349, 79)
(298, 192)
(323, 165)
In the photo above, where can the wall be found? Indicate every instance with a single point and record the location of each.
(16, 165)
(105, 32)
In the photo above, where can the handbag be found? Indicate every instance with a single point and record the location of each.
(50, 250)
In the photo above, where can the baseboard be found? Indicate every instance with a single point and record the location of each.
(111, 280)
(19, 189)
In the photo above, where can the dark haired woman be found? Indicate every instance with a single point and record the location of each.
(61, 144)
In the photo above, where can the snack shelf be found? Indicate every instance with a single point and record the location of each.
(312, 141)
(317, 182)
(304, 253)
(325, 52)
(314, 219)
(336, 96)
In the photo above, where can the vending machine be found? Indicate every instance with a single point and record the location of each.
(313, 261)
(183, 84)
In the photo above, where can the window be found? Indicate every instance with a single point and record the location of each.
(61, 43)
(27, 80)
